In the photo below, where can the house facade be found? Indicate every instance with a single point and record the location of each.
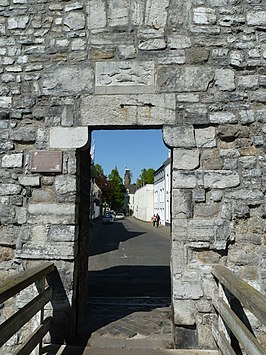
(143, 202)
(162, 192)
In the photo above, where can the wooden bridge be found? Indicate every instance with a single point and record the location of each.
(232, 299)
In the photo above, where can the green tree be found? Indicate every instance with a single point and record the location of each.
(146, 177)
(99, 169)
(118, 193)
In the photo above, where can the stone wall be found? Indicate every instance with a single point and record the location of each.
(196, 69)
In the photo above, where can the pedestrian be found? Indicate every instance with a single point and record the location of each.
(157, 220)
(153, 219)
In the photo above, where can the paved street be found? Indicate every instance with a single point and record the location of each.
(129, 286)
(129, 258)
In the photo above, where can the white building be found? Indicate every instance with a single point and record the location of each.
(143, 203)
(96, 201)
(162, 192)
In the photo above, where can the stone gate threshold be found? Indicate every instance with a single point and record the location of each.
(126, 326)
(71, 350)
(131, 323)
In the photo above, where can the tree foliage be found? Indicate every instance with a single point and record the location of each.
(118, 193)
(112, 187)
(99, 169)
(146, 177)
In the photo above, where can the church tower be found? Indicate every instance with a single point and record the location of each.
(127, 178)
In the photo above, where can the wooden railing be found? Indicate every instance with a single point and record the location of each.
(10, 287)
(239, 337)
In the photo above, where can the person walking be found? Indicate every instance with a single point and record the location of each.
(153, 219)
(157, 220)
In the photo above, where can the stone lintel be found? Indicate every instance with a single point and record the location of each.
(128, 110)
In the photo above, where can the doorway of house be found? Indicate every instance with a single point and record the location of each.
(129, 281)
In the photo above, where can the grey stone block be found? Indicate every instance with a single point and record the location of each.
(179, 136)
(67, 80)
(118, 13)
(9, 234)
(96, 14)
(9, 189)
(177, 41)
(51, 213)
(58, 233)
(206, 210)
(205, 137)
(184, 180)
(74, 21)
(256, 18)
(221, 179)
(29, 180)
(65, 187)
(12, 160)
(187, 290)
(204, 16)
(223, 117)
(188, 79)
(156, 13)
(24, 134)
(185, 159)
(225, 79)
(182, 208)
(185, 311)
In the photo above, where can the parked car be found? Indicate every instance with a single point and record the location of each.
(108, 218)
(120, 216)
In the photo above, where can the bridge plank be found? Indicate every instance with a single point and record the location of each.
(248, 341)
(14, 323)
(34, 339)
(222, 342)
(246, 294)
(14, 284)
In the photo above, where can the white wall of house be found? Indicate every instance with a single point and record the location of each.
(159, 195)
(162, 192)
(167, 198)
(143, 206)
(131, 201)
(96, 201)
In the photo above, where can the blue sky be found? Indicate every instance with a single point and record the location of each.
(131, 149)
